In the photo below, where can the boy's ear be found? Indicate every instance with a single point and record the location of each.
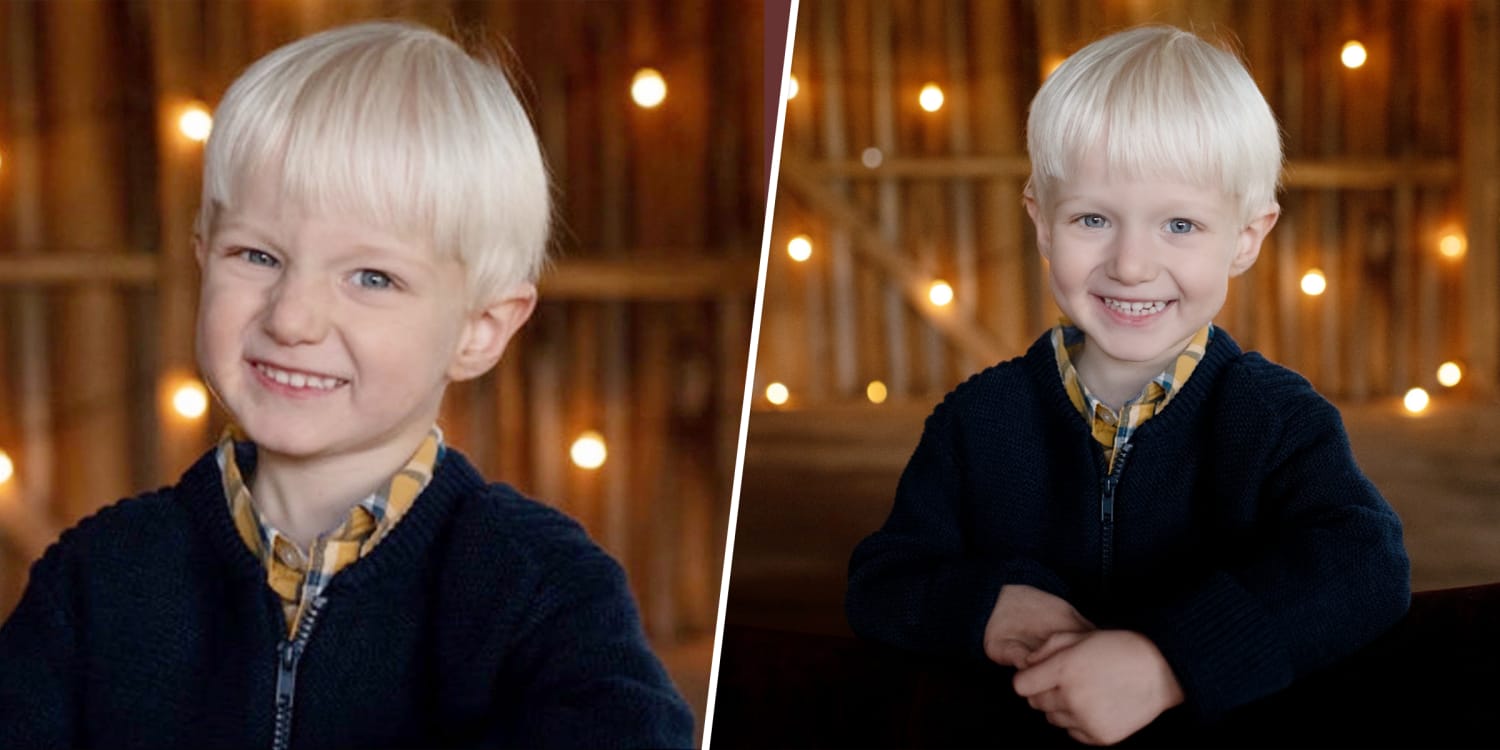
(1251, 236)
(1043, 229)
(489, 329)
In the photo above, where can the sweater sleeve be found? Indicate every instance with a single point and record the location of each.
(591, 677)
(1330, 575)
(37, 660)
(916, 583)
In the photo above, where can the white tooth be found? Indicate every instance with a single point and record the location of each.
(280, 377)
(298, 380)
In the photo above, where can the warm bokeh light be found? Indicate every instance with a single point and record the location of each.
(1416, 400)
(1353, 55)
(588, 451)
(1453, 245)
(1449, 374)
(7, 467)
(648, 89)
(1314, 283)
(876, 392)
(190, 399)
(940, 293)
(792, 87)
(871, 157)
(800, 248)
(931, 97)
(777, 393)
(195, 123)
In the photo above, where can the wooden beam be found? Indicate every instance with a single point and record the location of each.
(1356, 174)
(78, 268)
(691, 275)
(963, 331)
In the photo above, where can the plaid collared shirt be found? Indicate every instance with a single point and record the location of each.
(299, 577)
(1113, 429)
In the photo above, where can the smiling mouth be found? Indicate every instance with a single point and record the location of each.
(294, 379)
(1135, 309)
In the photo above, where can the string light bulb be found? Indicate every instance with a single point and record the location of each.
(1449, 374)
(7, 467)
(1314, 283)
(195, 123)
(799, 248)
(1353, 54)
(1453, 245)
(190, 399)
(792, 87)
(588, 451)
(931, 97)
(1416, 400)
(876, 392)
(648, 88)
(940, 293)
(777, 393)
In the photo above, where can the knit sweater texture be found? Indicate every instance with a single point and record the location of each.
(483, 619)
(1237, 532)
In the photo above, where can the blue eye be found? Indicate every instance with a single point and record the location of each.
(258, 257)
(1179, 226)
(369, 279)
(1093, 221)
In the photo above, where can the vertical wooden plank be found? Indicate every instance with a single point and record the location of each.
(84, 163)
(1480, 178)
(884, 93)
(1335, 82)
(999, 121)
(839, 346)
(177, 55)
(960, 190)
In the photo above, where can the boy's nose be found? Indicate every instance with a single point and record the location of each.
(1132, 260)
(297, 311)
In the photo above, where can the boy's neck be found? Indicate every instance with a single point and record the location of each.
(304, 498)
(1114, 382)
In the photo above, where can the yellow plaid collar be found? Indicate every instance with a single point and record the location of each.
(1113, 429)
(299, 576)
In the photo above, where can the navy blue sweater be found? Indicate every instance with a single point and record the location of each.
(484, 618)
(1237, 533)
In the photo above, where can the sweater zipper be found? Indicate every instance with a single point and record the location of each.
(1107, 518)
(288, 655)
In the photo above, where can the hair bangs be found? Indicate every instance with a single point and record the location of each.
(1157, 103)
(409, 136)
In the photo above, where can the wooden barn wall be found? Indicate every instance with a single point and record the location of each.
(1383, 162)
(643, 328)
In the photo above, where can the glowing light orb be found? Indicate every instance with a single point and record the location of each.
(1452, 245)
(195, 123)
(1314, 283)
(1353, 54)
(777, 393)
(190, 399)
(7, 467)
(1449, 374)
(940, 293)
(588, 451)
(931, 97)
(876, 392)
(1416, 400)
(648, 88)
(792, 87)
(800, 248)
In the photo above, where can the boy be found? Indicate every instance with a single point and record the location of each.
(1136, 514)
(374, 213)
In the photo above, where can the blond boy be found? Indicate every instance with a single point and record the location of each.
(1136, 514)
(374, 215)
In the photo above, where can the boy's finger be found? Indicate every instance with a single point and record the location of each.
(1056, 643)
(1048, 701)
(1035, 679)
(1011, 653)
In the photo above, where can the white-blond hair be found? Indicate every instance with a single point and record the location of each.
(1157, 101)
(393, 124)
